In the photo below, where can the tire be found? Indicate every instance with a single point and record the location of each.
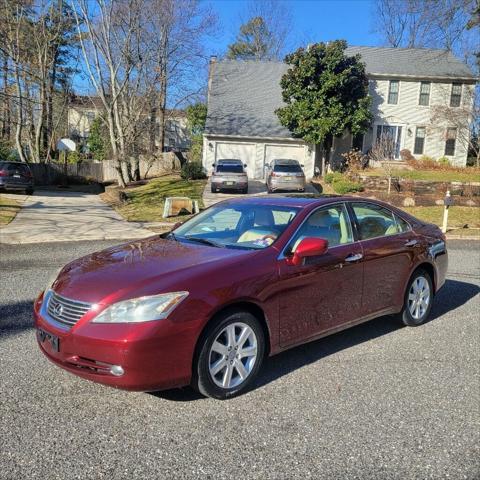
(245, 190)
(29, 191)
(224, 358)
(213, 190)
(418, 299)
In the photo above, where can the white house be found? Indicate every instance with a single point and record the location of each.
(407, 85)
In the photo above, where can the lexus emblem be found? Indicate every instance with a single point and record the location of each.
(57, 309)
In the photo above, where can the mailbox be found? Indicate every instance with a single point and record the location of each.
(448, 200)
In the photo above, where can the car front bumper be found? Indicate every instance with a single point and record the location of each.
(153, 355)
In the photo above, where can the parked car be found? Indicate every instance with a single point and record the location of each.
(16, 176)
(229, 174)
(205, 303)
(285, 174)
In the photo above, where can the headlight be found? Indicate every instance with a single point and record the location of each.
(142, 309)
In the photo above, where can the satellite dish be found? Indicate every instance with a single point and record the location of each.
(66, 145)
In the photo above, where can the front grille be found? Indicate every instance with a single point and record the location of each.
(65, 310)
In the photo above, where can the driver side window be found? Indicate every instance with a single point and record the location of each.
(331, 223)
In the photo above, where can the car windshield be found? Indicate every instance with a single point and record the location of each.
(236, 226)
(287, 167)
(230, 168)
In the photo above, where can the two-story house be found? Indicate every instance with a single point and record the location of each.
(408, 87)
(82, 111)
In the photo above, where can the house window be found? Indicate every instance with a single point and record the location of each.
(393, 132)
(456, 96)
(424, 93)
(419, 141)
(393, 92)
(450, 141)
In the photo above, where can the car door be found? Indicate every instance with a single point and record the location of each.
(326, 291)
(389, 247)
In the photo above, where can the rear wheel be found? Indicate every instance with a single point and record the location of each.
(214, 190)
(29, 191)
(245, 190)
(230, 356)
(418, 299)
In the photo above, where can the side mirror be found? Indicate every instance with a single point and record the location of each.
(213, 165)
(302, 165)
(308, 247)
(244, 165)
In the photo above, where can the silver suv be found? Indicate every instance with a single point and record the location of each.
(285, 174)
(229, 174)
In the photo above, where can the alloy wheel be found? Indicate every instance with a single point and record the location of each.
(419, 297)
(233, 355)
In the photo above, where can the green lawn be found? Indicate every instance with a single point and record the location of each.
(145, 203)
(466, 175)
(8, 209)
(457, 216)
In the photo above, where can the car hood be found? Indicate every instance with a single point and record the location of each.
(120, 272)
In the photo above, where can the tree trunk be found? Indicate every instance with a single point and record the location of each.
(6, 107)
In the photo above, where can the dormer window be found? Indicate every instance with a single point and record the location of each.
(393, 92)
(456, 95)
(424, 94)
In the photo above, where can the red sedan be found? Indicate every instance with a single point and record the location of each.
(206, 303)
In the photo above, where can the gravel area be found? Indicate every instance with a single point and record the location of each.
(376, 401)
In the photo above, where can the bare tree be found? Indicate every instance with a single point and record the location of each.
(382, 154)
(464, 118)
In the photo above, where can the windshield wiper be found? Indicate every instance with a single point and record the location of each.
(205, 241)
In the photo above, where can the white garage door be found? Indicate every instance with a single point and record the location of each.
(242, 151)
(293, 152)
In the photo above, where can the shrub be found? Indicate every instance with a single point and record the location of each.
(406, 155)
(74, 157)
(333, 177)
(346, 186)
(192, 171)
(444, 161)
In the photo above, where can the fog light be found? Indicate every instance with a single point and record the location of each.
(117, 370)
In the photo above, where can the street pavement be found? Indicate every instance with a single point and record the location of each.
(66, 216)
(374, 402)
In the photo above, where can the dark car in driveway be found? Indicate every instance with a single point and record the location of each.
(16, 176)
(230, 175)
(204, 304)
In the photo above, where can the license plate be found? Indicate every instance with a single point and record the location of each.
(289, 179)
(53, 340)
(16, 176)
(229, 183)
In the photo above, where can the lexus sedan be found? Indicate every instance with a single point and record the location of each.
(229, 175)
(204, 304)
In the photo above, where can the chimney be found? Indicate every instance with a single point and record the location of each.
(213, 61)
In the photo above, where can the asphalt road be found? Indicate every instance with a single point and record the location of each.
(377, 401)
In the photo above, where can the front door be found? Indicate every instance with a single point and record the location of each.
(326, 292)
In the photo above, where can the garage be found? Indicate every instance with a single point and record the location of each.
(243, 151)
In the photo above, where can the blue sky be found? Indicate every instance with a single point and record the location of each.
(313, 21)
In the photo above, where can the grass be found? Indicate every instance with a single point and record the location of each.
(145, 203)
(8, 210)
(457, 216)
(466, 175)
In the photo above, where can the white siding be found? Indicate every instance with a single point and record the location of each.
(409, 114)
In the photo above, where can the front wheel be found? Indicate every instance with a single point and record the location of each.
(418, 299)
(230, 356)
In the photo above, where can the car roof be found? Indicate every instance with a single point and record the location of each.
(289, 200)
(229, 160)
(286, 161)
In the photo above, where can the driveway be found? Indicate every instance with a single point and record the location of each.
(255, 188)
(67, 216)
(377, 401)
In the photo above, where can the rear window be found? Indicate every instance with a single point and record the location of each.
(230, 168)
(289, 168)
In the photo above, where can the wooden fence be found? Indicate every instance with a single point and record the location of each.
(52, 173)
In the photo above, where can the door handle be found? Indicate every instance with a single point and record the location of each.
(354, 257)
(411, 243)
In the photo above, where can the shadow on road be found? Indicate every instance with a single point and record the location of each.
(15, 317)
(453, 295)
